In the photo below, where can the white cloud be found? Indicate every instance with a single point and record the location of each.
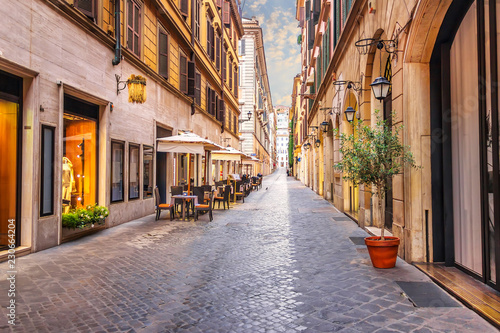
(257, 3)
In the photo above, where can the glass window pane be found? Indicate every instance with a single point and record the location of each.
(116, 171)
(47, 172)
(133, 169)
(79, 162)
(147, 161)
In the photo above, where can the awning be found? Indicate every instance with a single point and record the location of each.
(228, 154)
(186, 143)
(252, 160)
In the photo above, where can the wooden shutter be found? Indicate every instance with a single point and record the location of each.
(227, 12)
(217, 107)
(308, 10)
(209, 46)
(197, 93)
(212, 46)
(301, 17)
(222, 112)
(86, 6)
(311, 34)
(184, 7)
(163, 55)
(183, 75)
(217, 52)
(316, 10)
(213, 107)
(230, 65)
(236, 83)
(235, 124)
(219, 3)
(224, 63)
(191, 78)
(208, 96)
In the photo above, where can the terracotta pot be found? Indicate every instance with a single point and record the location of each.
(383, 253)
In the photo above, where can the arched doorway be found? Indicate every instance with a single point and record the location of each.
(351, 191)
(465, 144)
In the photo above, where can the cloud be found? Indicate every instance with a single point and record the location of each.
(257, 3)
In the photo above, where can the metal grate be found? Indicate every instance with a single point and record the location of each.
(427, 295)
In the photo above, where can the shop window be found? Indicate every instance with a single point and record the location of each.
(147, 160)
(117, 149)
(79, 170)
(47, 171)
(133, 172)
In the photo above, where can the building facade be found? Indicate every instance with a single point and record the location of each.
(441, 58)
(69, 129)
(256, 107)
(282, 135)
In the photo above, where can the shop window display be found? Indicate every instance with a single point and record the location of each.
(147, 160)
(79, 169)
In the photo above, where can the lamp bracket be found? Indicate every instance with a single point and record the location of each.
(365, 45)
(118, 82)
(356, 86)
(332, 110)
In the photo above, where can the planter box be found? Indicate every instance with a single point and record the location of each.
(69, 234)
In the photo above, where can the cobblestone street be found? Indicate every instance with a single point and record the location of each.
(280, 262)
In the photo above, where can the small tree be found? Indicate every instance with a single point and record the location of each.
(372, 155)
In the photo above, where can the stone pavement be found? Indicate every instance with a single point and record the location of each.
(280, 262)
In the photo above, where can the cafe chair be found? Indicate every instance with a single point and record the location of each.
(204, 207)
(162, 206)
(224, 198)
(239, 193)
(177, 190)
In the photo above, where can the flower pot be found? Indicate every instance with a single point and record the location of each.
(383, 253)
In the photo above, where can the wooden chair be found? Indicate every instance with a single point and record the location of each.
(204, 207)
(177, 190)
(239, 193)
(255, 183)
(162, 206)
(224, 198)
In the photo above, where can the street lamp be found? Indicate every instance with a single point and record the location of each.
(324, 126)
(380, 87)
(349, 114)
(317, 143)
(249, 114)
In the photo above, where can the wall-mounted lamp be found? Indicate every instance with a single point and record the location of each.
(136, 88)
(349, 114)
(324, 126)
(317, 143)
(249, 114)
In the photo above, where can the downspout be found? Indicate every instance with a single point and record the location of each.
(193, 4)
(118, 47)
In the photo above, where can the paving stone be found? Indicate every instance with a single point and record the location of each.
(280, 262)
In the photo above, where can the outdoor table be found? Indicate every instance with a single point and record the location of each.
(184, 201)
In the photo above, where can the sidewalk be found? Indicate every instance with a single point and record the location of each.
(281, 262)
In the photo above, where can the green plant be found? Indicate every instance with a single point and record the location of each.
(372, 156)
(82, 217)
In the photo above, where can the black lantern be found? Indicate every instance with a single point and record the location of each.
(380, 87)
(349, 114)
(324, 126)
(249, 114)
(306, 145)
(317, 143)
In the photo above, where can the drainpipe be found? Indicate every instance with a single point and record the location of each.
(118, 49)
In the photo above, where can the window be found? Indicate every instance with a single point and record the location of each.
(197, 93)
(79, 163)
(217, 52)
(133, 172)
(147, 171)
(117, 149)
(163, 54)
(224, 63)
(86, 6)
(230, 65)
(210, 39)
(235, 82)
(47, 171)
(133, 27)
(184, 8)
(197, 19)
(235, 124)
(183, 84)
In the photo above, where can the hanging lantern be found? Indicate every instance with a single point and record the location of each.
(317, 143)
(324, 126)
(380, 87)
(136, 89)
(349, 114)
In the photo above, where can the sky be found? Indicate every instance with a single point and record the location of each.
(280, 29)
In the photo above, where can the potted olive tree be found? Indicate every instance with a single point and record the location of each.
(370, 157)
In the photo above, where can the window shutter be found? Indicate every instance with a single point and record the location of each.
(236, 83)
(308, 9)
(222, 111)
(219, 3)
(163, 53)
(227, 12)
(191, 78)
(209, 46)
(217, 107)
(212, 49)
(224, 63)
(213, 102)
(301, 17)
(86, 7)
(208, 102)
(184, 7)
(217, 52)
(316, 10)
(197, 93)
(311, 34)
(230, 74)
(183, 75)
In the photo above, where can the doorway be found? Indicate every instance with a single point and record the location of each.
(161, 164)
(10, 150)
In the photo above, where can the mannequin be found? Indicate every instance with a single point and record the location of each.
(68, 184)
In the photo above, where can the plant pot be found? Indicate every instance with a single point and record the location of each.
(383, 253)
